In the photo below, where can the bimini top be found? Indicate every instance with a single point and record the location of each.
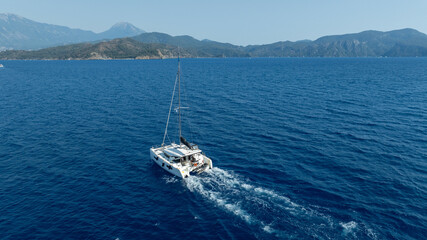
(180, 152)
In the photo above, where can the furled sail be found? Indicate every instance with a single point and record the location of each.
(183, 140)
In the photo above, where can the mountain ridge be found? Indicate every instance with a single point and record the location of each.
(396, 43)
(120, 48)
(405, 42)
(370, 43)
(20, 33)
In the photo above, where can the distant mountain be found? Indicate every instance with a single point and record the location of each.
(20, 33)
(397, 43)
(205, 48)
(404, 42)
(120, 30)
(121, 48)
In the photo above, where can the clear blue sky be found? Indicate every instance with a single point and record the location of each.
(235, 21)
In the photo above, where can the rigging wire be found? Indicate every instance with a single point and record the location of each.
(170, 108)
(179, 97)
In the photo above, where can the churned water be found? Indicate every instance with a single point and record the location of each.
(319, 148)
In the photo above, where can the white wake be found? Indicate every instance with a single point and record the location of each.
(264, 208)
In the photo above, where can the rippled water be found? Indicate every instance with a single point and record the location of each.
(302, 149)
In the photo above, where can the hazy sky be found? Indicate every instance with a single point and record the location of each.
(239, 22)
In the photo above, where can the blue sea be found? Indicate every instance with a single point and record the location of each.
(303, 148)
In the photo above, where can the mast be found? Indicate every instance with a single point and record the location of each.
(179, 98)
(177, 80)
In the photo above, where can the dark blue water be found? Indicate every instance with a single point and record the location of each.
(302, 149)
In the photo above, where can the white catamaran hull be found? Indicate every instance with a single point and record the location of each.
(182, 170)
(166, 165)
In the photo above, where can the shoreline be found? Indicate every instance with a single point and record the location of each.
(166, 58)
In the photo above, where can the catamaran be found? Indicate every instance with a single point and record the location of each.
(184, 158)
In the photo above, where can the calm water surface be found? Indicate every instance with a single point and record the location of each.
(302, 149)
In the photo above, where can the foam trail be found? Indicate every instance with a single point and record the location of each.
(195, 184)
(262, 207)
(228, 192)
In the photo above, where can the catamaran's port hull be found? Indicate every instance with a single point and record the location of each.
(166, 165)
